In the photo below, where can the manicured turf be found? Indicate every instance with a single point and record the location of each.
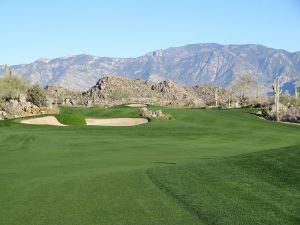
(258, 188)
(104, 175)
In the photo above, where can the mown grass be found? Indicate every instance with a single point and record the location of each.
(98, 175)
(69, 116)
(257, 188)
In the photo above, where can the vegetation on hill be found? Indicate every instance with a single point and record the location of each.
(11, 86)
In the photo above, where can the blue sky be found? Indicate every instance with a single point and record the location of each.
(52, 28)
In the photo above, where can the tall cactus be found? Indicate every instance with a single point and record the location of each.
(217, 96)
(277, 92)
(258, 95)
(7, 71)
(296, 94)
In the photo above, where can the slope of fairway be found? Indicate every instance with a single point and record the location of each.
(257, 188)
(90, 175)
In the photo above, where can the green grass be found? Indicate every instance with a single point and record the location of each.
(258, 188)
(69, 116)
(100, 175)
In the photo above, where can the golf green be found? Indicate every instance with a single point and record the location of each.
(182, 171)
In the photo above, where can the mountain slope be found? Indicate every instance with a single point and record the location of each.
(190, 65)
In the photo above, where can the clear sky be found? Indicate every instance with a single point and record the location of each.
(31, 29)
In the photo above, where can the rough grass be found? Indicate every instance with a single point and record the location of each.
(92, 175)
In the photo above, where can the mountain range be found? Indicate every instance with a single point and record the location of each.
(195, 64)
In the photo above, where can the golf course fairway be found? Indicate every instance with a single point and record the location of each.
(204, 167)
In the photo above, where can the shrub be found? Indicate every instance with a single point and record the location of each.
(37, 96)
(11, 86)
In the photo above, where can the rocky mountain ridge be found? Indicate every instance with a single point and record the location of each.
(202, 64)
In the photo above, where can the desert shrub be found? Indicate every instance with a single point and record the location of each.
(210, 102)
(119, 94)
(243, 101)
(2, 104)
(98, 105)
(11, 86)
(295, 101)
(37, 96)
(285, 99)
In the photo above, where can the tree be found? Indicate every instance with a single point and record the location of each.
(243, 87)
(11, 86)
(37, 96)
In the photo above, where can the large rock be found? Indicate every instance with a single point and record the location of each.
(144, 112)
(119, 90)
(288, 114)
(14, 109)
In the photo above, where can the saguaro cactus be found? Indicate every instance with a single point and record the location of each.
(217, 96)
(258, 95)
(296, 94)
(277, 92)
(7, 71)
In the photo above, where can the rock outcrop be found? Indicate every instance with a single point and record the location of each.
(15, 109)
(144, 112)
(63, 96)
(285, 113)
(113, 90)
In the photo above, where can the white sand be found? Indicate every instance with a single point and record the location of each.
(136, 105)
(116, 121)
(47, 120)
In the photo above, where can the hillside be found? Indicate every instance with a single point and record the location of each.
(202, 64)
(113, 90)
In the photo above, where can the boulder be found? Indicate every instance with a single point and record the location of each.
(3, 115)
(259, 113)
(67, 102)
(14, 109)
(22, 98)
(288, 114)
(144, 112)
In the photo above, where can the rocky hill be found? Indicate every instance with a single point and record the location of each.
(204, 64)
(113, 90)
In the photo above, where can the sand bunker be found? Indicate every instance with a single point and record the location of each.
(116, 122)
(47, 120)
(137, 105)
